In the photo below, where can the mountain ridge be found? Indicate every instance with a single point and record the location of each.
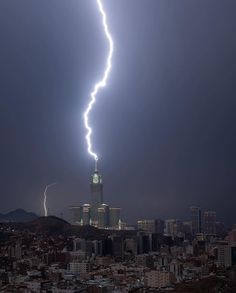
(18, 215)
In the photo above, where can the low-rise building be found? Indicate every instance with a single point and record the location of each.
(157, 279)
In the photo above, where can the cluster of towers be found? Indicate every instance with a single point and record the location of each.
(203, 222)
(96, 213)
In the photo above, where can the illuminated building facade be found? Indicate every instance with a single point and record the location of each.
(96, 188)
(97, 213)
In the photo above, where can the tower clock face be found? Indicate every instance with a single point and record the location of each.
(95, 178)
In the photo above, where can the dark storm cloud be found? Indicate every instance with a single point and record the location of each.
(164, 126)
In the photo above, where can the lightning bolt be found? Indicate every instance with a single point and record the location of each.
(100, 84)
(45, 197)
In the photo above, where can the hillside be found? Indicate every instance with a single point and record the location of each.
(18, 215)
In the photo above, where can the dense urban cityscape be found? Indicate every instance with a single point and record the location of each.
(98, 252)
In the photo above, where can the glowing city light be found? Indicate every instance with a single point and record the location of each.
(100, 84)
(45, 198)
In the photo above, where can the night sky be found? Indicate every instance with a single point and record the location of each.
(164, 127)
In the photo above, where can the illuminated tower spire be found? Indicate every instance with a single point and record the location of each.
(96, 166)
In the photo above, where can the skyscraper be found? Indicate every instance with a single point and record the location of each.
(196, 219)
(86, 214)
(96, 188)
(210, 222)
(103, 216)
(96, 213)
(153, 226)
(114, 217)
(77, 214)
(173, 227)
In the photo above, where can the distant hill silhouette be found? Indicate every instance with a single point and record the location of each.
(49, 225)
(18, 215)
(52, 225)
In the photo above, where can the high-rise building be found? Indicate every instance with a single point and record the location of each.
(210, 222)
(226, 255)
(114, 217)
(97, 213)
(153, 226)
(187, 227)
(77, 214)
(130, 246)
(173, 228)
(86, 214)
(103, 216)
(220, 229)
(96, 188)
(117, 246)
(232, 236)
(143, 243)
(196, 219)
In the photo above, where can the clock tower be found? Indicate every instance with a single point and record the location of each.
(96, 188)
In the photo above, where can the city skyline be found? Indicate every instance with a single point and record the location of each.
(165, 124)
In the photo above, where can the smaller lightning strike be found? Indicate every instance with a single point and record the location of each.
(45, 197)
(100, 84)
